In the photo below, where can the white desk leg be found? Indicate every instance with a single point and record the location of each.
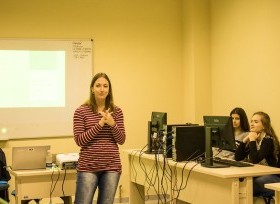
(277, 197)
(242, 190)
(137, 194)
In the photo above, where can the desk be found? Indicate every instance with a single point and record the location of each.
(34, 184)
(232, 185)
(276, 188)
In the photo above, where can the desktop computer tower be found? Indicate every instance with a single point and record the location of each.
(167, 142)
(155, 142)
(156, 129)
(188, 143)
(167, 145)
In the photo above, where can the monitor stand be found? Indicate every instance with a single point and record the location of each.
(209, 163)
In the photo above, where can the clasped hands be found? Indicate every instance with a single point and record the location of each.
(252, 136)
(107, 118)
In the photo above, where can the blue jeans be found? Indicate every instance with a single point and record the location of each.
(87, 183)
(258, 184)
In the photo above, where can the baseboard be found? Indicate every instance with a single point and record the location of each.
(124, 200)
(147, 198)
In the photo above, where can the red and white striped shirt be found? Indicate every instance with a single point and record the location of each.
(99, 145)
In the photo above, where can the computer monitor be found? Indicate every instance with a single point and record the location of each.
(159, 120)
(156, 128)
(219, 133)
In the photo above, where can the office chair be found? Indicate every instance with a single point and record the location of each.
(4, 194)
(4, 177)
(267, 197)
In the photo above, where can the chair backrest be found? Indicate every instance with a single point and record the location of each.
(4, 178)
(4, 174)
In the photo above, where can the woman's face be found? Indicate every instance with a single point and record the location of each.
(100, 88)
(235, 120)
(256, 124)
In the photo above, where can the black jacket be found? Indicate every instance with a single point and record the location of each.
(254, 155)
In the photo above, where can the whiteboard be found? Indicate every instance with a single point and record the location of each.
(42, 82)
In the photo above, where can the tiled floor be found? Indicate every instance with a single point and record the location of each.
(151, 200)
(126, 201)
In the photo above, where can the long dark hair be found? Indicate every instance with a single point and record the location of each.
(244, 123)
(109, 102)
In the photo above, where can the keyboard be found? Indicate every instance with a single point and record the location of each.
(231, 162)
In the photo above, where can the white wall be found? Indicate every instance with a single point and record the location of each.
(196, 60)
(245, 53)
(137, 43)
(186, 57)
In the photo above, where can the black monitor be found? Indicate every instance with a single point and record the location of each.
(219, 133)
(156, 129)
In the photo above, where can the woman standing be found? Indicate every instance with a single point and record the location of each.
(98, 130)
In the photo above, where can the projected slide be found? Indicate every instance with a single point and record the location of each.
(32, 78)
(42, 82)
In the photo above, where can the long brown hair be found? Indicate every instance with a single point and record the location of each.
(268, 129)
(109, 102)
